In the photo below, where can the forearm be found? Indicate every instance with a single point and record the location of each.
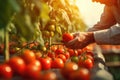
(90, 37)
(108, 36)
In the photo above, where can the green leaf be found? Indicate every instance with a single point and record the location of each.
(58, 29)
(38, 35)
(24, 26)
(44, 15)
(6, 11)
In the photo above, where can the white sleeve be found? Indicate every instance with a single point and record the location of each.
(108, 36)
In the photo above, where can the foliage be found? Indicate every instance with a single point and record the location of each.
(38, 20)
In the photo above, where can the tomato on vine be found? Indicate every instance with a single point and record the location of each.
(62, 56)
(57, 63)
(85, 62)
(46, 63)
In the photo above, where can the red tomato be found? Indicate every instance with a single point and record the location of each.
(28, 56)
(90, 57)
(17, 64)
(67, 37)
(38, 54)
(59, 51)
(32, 71)
(46, 63)
(80, 74)
(79, 51)
(51, 54)
(68, 68)
(37, 63)
(53, 48)
(67, 55)
(5, 71)
(88, 63)
(85, 62)
(89, 53)
(49, 76)
(57, 63)
(72, 52)
(62, 56)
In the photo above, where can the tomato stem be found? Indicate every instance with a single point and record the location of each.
(6, 43)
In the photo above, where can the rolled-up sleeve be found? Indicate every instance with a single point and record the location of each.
(108, 36)
(106, 21)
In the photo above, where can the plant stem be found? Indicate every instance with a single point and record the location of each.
(6, 44)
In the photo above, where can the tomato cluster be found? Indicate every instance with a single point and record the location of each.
(31, 64)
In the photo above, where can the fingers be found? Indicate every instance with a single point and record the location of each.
(76, 34)
(79, 42)
(73, 44)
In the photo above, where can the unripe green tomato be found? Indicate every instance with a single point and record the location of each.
(51, 27)
(46, 33)
(52, 33)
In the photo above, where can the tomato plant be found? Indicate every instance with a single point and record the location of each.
(36, 21)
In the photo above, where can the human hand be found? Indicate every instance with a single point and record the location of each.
(81, 40)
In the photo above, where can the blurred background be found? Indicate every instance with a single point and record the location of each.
(90, 11)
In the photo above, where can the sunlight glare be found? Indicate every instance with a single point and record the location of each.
(90, 11)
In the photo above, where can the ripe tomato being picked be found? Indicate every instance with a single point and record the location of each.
(66, 37)
(5, 71)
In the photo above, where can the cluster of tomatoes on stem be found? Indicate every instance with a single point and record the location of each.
(34, 64)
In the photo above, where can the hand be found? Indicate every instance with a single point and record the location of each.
(81, 40)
